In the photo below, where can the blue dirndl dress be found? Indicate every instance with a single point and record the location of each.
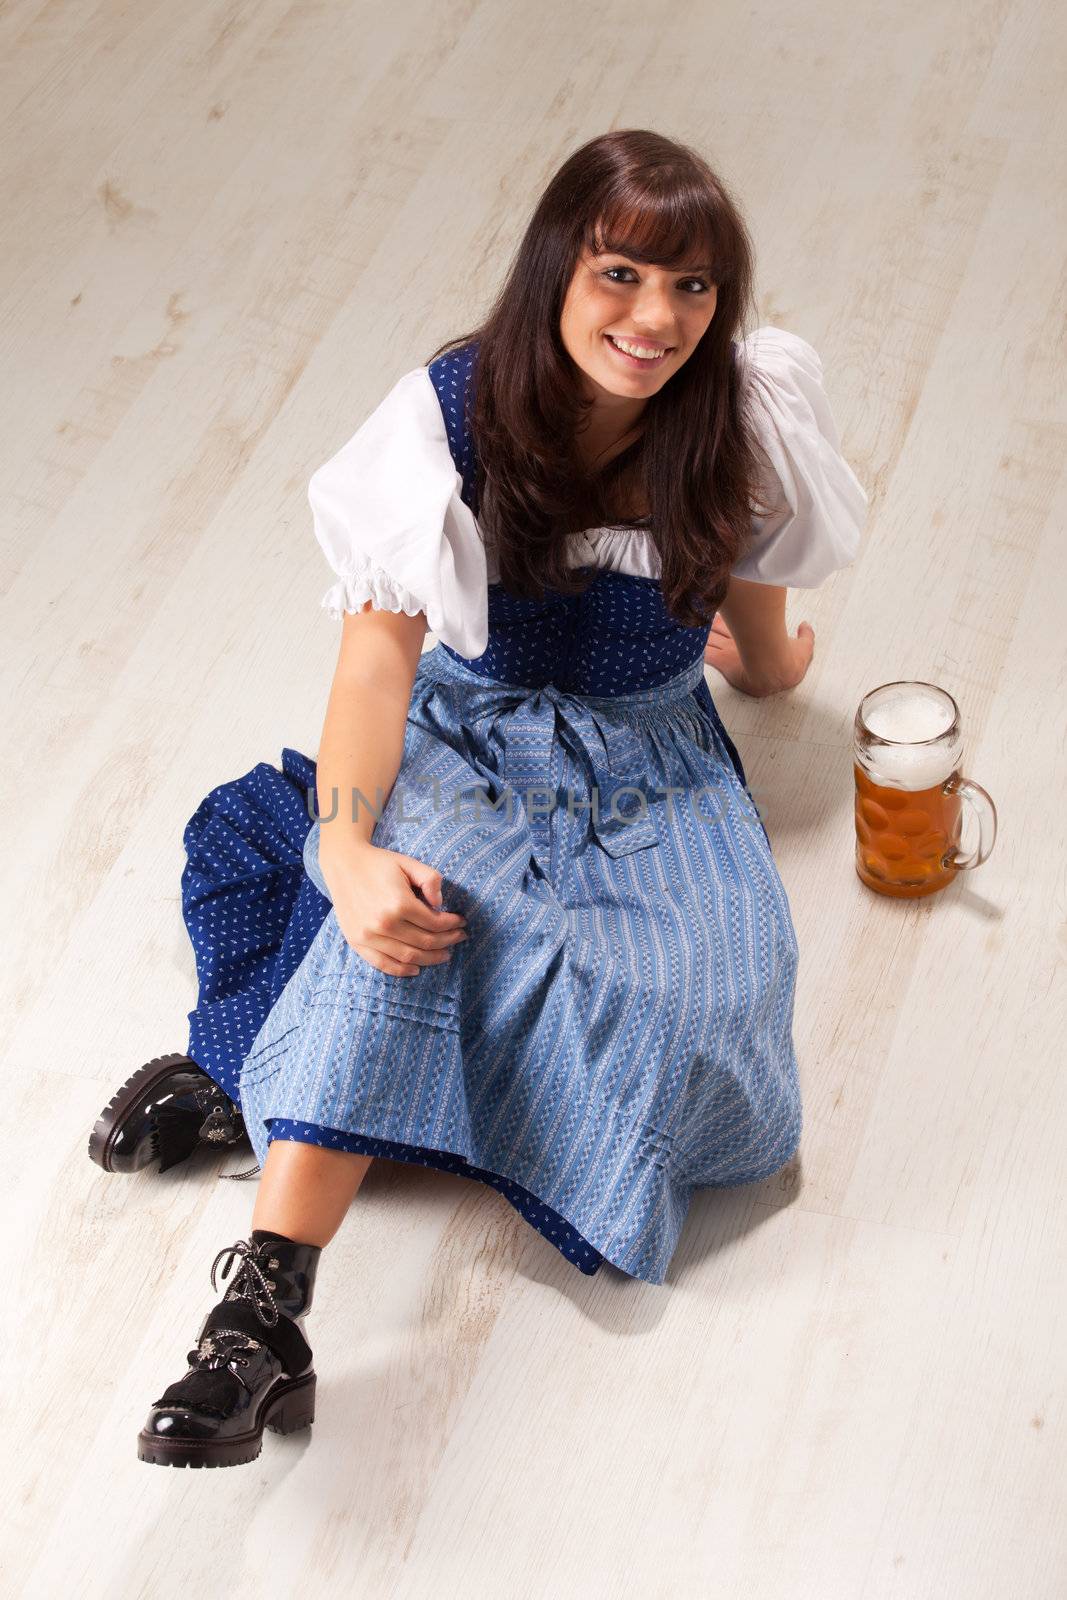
(616, 1031)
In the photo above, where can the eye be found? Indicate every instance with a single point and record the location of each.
(704, 287)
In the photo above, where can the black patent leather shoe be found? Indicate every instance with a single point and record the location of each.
(252, 1366)
(163, 1112)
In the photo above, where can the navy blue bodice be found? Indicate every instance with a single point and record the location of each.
(616, 637)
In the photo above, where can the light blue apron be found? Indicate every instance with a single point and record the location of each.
(617, 1029)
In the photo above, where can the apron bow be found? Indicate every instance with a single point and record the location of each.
(618, 808)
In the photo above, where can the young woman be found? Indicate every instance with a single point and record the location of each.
(553, 951)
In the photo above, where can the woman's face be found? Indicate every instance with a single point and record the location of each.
(649, 308)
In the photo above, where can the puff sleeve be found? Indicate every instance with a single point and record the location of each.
(823, 505)
(390, 521)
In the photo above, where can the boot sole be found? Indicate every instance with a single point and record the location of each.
(290, 1408)
(137, 1086)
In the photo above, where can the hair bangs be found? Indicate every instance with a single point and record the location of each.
(672, 228)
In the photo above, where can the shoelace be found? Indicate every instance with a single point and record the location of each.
(236, 1177)
(212, 1129)
(250, 1282)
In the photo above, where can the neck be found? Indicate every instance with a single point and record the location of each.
(606, 437)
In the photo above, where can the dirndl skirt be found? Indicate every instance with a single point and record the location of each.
(616, 1031)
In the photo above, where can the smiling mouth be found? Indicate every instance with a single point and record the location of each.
(639, 361)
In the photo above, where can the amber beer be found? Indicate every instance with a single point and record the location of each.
(910, 794)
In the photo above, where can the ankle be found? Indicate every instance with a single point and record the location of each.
(276, 1273)
(260, 1235)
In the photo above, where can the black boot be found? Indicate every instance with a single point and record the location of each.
(165, 1110)
(252, 1367)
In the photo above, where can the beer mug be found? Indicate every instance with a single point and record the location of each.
(910, 793)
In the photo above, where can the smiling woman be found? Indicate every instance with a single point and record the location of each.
(558, 958)
(658, 335)
(661, 329)
(636, 242)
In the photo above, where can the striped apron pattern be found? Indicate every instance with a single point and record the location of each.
(617, 1029)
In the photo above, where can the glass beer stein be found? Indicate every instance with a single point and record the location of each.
(910, 793)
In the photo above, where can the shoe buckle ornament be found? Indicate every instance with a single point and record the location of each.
(223, 1346)
(218, 1128)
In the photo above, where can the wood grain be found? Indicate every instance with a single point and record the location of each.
(229, 228)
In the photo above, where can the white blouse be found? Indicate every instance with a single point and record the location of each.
(389, 517)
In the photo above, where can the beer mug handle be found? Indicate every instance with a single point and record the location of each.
(986, 814)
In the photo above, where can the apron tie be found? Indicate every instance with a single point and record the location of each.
(542, 718)
(536, 721)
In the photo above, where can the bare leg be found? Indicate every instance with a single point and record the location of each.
(306, 1189)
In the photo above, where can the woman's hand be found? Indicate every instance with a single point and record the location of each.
(376, 896)
(721, 652)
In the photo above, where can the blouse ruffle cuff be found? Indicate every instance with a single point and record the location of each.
(371, 582)
(390, 519)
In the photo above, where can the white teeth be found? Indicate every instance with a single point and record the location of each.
(639, 350)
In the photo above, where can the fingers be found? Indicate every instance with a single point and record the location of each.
(408, 913)
(405, 944)
(404, 957)
(421, 906)
(425, 881)
(413, 938)
(385, 919)
(424, 916)
(385, 963)
(409, 952)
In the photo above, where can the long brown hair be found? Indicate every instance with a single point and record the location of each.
(644, 195)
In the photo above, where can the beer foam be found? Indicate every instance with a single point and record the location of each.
(908, 714)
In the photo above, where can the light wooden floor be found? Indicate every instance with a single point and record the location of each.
(228, 228)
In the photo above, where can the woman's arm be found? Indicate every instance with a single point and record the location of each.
(362, 740)
(374, 890)
(749, 643)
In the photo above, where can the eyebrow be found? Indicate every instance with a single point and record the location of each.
(625, 257)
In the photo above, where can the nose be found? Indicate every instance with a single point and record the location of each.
(653, 315)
